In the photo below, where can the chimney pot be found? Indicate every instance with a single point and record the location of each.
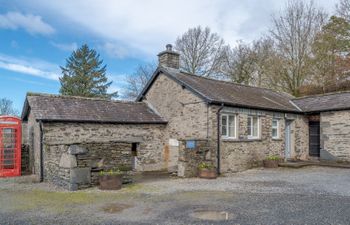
(169, 47)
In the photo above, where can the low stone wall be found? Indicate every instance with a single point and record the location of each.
(76, 166)
(25, 168)
(189, 158)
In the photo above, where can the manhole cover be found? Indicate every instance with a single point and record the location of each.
(212, 215)
(115, 207)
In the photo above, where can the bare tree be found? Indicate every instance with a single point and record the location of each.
(343, 9)
(239, 63)
(202, 52)
(293, 33)
(137, 81)
(6, 107)
(264, 57)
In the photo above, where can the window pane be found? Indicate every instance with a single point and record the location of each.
(224, 130)
(232, 126)
(274, 123)
(275, 127)
(224, 125)
(249, 126)
(255, 126)
(274, 132)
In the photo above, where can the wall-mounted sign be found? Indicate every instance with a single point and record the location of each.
(173, 142)
(191, 144)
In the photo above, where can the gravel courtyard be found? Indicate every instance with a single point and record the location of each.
(313, 195)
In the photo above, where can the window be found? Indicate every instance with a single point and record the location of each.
(275, 128)
(253, 127)
(228, 126)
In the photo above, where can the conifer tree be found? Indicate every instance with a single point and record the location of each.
(85, 75)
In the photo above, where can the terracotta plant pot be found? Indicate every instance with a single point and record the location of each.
(207, 173)
(110, 182)
(270, 163)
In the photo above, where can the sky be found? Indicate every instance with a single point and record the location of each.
(36, 36)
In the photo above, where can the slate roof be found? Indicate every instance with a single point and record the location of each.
(228, 93)
(78, 109)
(325, 102)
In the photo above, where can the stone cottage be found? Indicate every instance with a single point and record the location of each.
(178, 121)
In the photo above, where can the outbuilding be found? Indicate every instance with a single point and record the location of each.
(71, 138)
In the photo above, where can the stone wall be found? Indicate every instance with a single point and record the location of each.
(149, 136)
(25, 168)
(335, 135)
(243, 153)
(300, 138)
(189, 158)
(77, 166)
(186, 113)
(103, 146)
(33, 141)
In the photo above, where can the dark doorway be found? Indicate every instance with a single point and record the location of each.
(314, 138)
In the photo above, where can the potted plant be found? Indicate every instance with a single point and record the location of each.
(206, 170)
(271, 161)
(111, 179)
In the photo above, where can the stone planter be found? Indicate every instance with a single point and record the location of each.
(207, 173)
(268, 163)
(111, 182)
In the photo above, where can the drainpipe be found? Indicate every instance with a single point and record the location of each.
(218, 155)
(41, 152)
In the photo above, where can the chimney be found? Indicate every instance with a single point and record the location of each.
(169, 58)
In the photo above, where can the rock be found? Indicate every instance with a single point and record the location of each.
(76, 150)
(181, 170)
(80, 176)
(68, 161)
(73, 187)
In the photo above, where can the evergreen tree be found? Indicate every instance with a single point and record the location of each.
(84, 75)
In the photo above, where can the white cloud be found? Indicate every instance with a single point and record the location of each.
(65, 46)
(145, 27)
(31, 23)
(31, 67)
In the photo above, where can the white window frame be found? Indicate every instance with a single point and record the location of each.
(258, 128)
(275, 127)
(227, 126)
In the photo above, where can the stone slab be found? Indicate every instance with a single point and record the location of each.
(68, 161)
(76, 150)
(80, 175)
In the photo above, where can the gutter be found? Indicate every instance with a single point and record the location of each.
(100, 121)
(218, 154)
(254, 107)
(41, 152)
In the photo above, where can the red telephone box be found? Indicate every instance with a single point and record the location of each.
(10, 146)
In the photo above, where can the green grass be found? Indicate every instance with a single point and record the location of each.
(58, 202)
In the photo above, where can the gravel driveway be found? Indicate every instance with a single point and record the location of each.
(313, 195)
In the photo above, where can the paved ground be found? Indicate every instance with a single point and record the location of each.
(312, 195)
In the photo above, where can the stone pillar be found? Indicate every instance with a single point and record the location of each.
(78, 176)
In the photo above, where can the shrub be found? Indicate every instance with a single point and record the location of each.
(273, 157)
(111, 172)
(204, 165)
